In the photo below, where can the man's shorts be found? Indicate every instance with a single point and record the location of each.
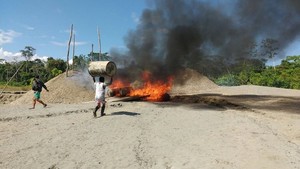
(100, 100)
(37, 95)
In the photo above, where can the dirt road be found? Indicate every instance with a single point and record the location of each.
(147, 135)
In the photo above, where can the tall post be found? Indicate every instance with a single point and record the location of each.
(11, 78)
(99, 42)
(68, 53)
(92, 53)
(73, 51)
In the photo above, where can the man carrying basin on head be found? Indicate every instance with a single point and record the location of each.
(100, 70)
(100, 94)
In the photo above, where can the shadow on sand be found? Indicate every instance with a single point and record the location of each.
(240, 102)
(125, 113)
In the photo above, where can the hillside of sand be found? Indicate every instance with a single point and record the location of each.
(78, 87)
(189, 81)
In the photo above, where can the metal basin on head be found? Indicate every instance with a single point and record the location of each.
(102, 68)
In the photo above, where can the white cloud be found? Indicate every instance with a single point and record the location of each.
(8, 36)
(10, 56)
(29, 27)
(43, 58)
(135, 18)
(293, 49)
(66, 43)
(71, 61)
(80, 43)
(59, 43)
(68, 31)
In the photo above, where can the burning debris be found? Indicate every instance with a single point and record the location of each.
(146, 89)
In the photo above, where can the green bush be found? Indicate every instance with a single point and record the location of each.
(55, 72)
(227, 80)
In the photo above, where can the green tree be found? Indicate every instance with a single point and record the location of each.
(55, 72)
(290, 72)
(80, 62)
(227, 80)
(28, 52)
(286, 75)
(94, 56)
(55, 63)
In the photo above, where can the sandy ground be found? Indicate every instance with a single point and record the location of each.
(232, 128)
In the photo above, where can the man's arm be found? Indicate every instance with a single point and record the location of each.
(44, 86)
(109, 83)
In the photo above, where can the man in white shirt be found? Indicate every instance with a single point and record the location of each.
(100, 95)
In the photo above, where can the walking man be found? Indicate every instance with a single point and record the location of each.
(100, 95)
(37, 87)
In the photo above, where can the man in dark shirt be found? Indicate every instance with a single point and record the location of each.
(37, 87)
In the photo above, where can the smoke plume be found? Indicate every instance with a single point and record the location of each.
(208, 36)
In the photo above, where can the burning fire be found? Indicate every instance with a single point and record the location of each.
(152, 90)
(118, 84)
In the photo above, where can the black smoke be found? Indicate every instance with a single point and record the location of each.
(208, 36)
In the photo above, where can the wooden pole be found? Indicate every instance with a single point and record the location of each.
(11, 78)
(99, 42)
(73, 51)
(92, 53)
(68, 53)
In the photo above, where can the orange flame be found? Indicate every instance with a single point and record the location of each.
(155, 90)
(118, 84)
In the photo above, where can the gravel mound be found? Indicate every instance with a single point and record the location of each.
(78, 87)
(7, 98)
(189, 81)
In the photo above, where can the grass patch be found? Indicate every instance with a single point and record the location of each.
(15, 88)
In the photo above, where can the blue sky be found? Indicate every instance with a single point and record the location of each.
(45, 25)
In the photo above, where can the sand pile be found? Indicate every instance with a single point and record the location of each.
(189, 81)
(76, 88)
(7, 98)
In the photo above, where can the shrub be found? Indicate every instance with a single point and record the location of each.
(227, 80)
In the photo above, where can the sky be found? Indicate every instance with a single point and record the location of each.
(45, 25)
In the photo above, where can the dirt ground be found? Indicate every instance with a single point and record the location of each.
(7, 98)
(216, 127)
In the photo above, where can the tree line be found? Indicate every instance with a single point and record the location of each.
(247, 71)
(285, 75)
(21, 73)
(28, 69)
